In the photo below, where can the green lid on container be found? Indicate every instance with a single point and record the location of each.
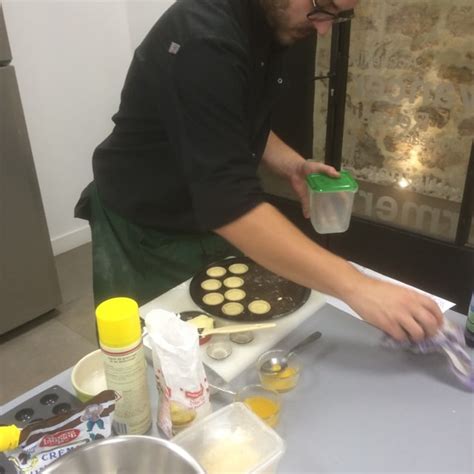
(322, 183)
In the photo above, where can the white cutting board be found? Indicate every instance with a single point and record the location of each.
(243, 355)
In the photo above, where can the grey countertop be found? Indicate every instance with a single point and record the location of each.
(361, 408)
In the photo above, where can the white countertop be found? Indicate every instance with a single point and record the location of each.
(359, 408)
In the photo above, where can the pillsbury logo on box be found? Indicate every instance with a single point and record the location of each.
(174, 47)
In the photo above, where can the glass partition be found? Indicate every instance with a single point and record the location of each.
(409, 119)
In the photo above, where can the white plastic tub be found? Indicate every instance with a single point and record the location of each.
(233, 440)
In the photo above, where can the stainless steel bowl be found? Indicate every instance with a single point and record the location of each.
(125, 455)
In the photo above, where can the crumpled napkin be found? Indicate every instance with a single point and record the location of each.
(450, 341)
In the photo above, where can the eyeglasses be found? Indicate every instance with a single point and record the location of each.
(320, 14)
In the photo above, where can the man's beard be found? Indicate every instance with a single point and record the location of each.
(277, 16)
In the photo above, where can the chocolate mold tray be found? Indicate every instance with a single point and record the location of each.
(50, 402)
(283, 296)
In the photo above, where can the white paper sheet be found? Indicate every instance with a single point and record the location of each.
(443, 304)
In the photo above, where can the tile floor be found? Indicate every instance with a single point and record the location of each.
(53, 342)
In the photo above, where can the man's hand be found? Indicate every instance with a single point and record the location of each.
(400, 312)
(298, 180)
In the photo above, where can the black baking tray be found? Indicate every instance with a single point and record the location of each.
(50, 402)
(284, 296)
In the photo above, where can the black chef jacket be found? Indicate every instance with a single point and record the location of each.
(194, 118)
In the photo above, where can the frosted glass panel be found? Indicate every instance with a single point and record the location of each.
(410, 111)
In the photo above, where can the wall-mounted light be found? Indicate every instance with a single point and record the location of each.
(403, 183)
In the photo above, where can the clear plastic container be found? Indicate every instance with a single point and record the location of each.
(233, 439)
(331, 201)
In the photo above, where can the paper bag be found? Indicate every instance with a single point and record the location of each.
(180, 377)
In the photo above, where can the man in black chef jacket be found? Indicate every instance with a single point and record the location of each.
(175, 184)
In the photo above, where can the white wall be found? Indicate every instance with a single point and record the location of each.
(71, 58)
(142, 15)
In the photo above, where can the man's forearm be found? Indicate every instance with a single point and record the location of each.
(267, 237)
(279, 157)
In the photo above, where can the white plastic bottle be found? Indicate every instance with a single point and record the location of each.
(120, 339)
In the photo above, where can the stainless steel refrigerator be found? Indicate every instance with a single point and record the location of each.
(28, 279)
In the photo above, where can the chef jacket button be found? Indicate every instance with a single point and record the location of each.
(262, 63)
(280, 80)
(253, 155)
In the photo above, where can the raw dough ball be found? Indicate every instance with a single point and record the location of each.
(232, 309)
(213, 299)
(259, 307)
(233, 282)
(216, 272)
(238, 268)
(211, 285)
(234, 295)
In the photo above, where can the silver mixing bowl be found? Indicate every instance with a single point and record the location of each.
(127, 455)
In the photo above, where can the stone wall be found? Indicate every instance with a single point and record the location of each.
(410, 103)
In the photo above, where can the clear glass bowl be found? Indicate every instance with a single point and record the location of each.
(219, 347)
(242, 337)
(181, 416)
(266, 404)
(280, 381)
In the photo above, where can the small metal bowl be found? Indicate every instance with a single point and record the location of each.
(187, 315)
(127, 454)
